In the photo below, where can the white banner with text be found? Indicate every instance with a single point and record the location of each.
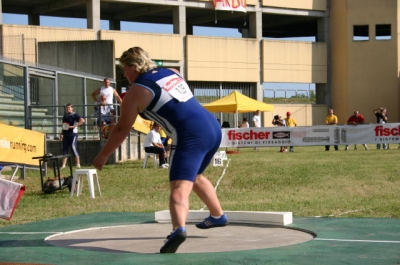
(311, 135)
(230, 5)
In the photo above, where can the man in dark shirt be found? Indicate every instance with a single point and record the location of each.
(381, 117)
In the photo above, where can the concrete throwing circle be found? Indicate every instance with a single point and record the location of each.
(148, 238)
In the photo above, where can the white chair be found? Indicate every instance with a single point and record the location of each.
(154, 159)
(92, 178)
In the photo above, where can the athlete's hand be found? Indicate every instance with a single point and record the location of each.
(99, 161)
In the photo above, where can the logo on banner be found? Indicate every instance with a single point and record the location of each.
(281, 135)
(230, 5)
(380, 131)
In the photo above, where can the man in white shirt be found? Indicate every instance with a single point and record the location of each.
(257, 119)
(257, 123)
(108, 91)
(153, 144)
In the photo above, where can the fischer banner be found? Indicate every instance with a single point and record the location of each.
(311, 135)
(230, 5)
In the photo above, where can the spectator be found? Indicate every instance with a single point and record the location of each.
(331, 119)
(244, 124)
(257, 123)
(381, 117)
(69, 134)
(290, 122)
(153, 144)
(279, 121)
(105, 116)
(257, 119)
(355, 119)
(225, 124)
(193, 148)
(108, 91)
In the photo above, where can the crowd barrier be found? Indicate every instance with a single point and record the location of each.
(311, 135)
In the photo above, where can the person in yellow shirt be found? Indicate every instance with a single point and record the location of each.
(163, 136)
(290, 122)
(331, 119)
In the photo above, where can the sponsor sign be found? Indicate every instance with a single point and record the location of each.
(311, 135)
(19, 145)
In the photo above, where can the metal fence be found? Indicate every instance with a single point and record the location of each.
(51, 123)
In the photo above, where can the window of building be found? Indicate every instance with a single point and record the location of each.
(383, 32)
(360, 32)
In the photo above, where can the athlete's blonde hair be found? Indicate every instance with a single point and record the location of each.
(139, 58)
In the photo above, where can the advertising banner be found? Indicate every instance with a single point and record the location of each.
(19, 145)
(230, 5)
(311, 135)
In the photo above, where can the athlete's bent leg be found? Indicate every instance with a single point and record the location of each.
(206, 192)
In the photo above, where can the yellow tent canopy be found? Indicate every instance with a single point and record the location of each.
(236, 103)
(142, 125)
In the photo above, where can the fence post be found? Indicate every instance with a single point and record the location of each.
(23, 48)
(27, 100)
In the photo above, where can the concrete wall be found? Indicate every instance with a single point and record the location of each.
(222, 59)
(95, 57)
(298, 4)
(166, 47)
(294, 61)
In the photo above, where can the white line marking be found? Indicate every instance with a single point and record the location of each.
(339, 214)
(219, 180)
(355, 240)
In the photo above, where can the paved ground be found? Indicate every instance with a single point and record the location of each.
(133, 238)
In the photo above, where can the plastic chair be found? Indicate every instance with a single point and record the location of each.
(92, 178)
(154, 159)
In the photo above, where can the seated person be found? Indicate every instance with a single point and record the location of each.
(105, 116)
(153, 144)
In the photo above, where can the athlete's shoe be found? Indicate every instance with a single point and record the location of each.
(211, 222)
(174, 240)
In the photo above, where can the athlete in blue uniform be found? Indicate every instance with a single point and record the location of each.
(162, 95)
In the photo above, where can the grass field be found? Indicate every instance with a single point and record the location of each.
(309, 182)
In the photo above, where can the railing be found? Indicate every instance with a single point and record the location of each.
(51, 124)
(287, 93)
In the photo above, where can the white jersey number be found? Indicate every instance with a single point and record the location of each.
(176, 87)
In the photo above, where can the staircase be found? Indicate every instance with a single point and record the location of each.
(12, 113)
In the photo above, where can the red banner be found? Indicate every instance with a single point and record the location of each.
(230, 5)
